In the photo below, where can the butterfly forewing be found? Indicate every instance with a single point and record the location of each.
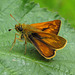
(48, 27)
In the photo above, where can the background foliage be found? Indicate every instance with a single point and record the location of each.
(15, 62)
(66, 8)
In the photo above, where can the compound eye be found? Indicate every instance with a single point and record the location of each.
(20, 28)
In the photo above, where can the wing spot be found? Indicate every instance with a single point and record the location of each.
(44, 29)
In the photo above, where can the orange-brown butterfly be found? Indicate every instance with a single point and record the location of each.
(42, 35)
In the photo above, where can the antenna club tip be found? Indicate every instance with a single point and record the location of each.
(9, 29)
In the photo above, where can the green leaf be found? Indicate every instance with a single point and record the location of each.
(15, 62)
(64, 7)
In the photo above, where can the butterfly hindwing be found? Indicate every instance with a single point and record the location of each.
(54, 41)
(42, 47)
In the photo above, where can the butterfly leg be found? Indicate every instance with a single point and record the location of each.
(25, 43)
(15, 40)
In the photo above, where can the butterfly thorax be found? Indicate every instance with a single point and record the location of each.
(23, 29)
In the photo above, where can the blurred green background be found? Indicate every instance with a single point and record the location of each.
(65, 8)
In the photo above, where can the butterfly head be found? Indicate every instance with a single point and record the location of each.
(18, 28)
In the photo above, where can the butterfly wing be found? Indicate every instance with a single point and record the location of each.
(47, 43)
(48, 27)
(54, 41)
(44, 37)
(42, 47)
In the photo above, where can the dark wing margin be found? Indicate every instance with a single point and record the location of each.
(41, 46)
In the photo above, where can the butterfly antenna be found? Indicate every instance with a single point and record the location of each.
(14, 18)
